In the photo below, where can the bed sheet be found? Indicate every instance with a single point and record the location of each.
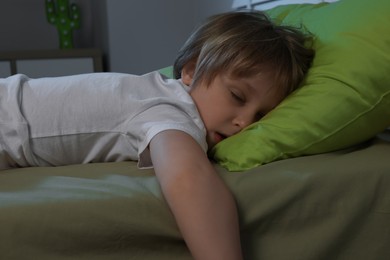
(328, 206)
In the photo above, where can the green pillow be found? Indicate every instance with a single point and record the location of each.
(345, 98)
(167, 72)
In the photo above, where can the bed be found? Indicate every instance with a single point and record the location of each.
(329, 206)
(311, 179)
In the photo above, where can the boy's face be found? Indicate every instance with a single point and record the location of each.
(229, 104)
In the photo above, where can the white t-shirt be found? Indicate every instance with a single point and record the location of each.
(98, 117)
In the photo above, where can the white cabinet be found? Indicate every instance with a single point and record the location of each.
(5, 69)
(50, 63)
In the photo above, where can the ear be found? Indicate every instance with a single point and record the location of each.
(187, 73)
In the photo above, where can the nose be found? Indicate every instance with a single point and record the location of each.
(242, 120)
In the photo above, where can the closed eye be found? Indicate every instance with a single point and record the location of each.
(237, 97)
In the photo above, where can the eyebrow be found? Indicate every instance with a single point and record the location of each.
(249, 87)
(252, 89)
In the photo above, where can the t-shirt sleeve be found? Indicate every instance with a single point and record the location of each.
(161, 118)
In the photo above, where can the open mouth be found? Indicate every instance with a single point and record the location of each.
(219, 137)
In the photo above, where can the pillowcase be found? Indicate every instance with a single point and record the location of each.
(167, 72)
(345, 98)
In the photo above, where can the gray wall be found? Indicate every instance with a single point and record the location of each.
(23, 26)
(144, 37)
(136, 36)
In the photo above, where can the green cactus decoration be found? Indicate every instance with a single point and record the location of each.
(66, 18)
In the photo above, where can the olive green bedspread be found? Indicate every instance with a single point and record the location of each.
(328, 206)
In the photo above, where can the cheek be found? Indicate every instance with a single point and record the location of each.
(205, 108)
(220, 112)
(210, 112)
(213, 106)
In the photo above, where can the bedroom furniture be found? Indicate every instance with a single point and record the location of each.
(42, 63)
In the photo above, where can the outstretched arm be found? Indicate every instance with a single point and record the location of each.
(202, 205)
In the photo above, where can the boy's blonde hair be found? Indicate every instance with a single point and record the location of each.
(245, 44)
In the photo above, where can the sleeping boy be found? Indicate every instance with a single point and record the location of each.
(233, 69)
